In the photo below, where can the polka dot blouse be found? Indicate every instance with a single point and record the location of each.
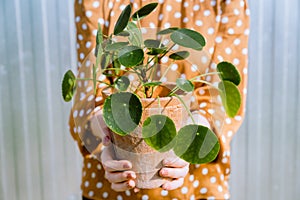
(225, 25)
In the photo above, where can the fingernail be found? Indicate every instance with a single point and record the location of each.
(165, 187)
(164, 172)
(126, 166)
(131, 175)
(130, 183)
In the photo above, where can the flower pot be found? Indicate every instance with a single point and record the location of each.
(146, 161)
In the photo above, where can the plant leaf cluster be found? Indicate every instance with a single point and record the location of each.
(122, 111)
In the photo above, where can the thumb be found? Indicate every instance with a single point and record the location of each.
(98, 126)
(107, 153)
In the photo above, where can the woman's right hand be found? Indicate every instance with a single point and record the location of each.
(117, 172)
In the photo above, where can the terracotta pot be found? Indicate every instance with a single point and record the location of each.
(146, 161)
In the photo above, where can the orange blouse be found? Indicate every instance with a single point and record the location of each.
(225, 25)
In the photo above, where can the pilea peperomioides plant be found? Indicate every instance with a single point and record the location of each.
(122, 110)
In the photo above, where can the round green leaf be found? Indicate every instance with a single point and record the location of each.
(167, 31)
(184, 84)
(123, 34)
(231, 97)
(196, 144)
(180, 55)
(228, 72)
(122, 83)
(135, 37)
(122, 20)
(159, 132)
(155, 47)
(68, 85)
(122, 112)
(115, 46)
(156, 51)
(188, 38)
(152, 43)
(144, 11)
(131, 56)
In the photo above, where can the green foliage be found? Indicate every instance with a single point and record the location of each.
(231, 97)
(159, 132)
(122, 112)
(115, 46)
(188, 38)
(152, 84)
(167, 31)
(144, 11)
(228, 72)
(99, 37)
(94, 77)
(180, 55)
(130, 56)
(99, 40)
(184, 85)
(155, 47)
(123, 34)
(135, 34)
(68, 85)
(196, 144)
(150, 43)
(122, 83)
(123, 20)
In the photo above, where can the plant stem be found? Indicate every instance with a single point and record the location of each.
(172, 92)
(165, 73)
(203, 75)
(152, 68)
(159, 105)
(90, 79)
(208, 83)
(185, 106)
(167, 51)
(159, 58)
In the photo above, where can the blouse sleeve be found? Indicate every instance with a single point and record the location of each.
(230, 44)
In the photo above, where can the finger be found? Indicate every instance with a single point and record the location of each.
(98, 125)
(174, 172)
(107, 153)
(120, 187)
(176, 162)
(116, 165)
(112, 165)
(118, 177)
(172, 185)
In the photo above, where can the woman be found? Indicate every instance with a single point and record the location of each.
(225, 25)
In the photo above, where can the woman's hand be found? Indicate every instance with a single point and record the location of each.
(176, 170)
(117, 172)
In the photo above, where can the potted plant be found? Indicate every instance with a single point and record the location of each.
(148, 116)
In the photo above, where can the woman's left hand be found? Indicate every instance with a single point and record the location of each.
(176, 170)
